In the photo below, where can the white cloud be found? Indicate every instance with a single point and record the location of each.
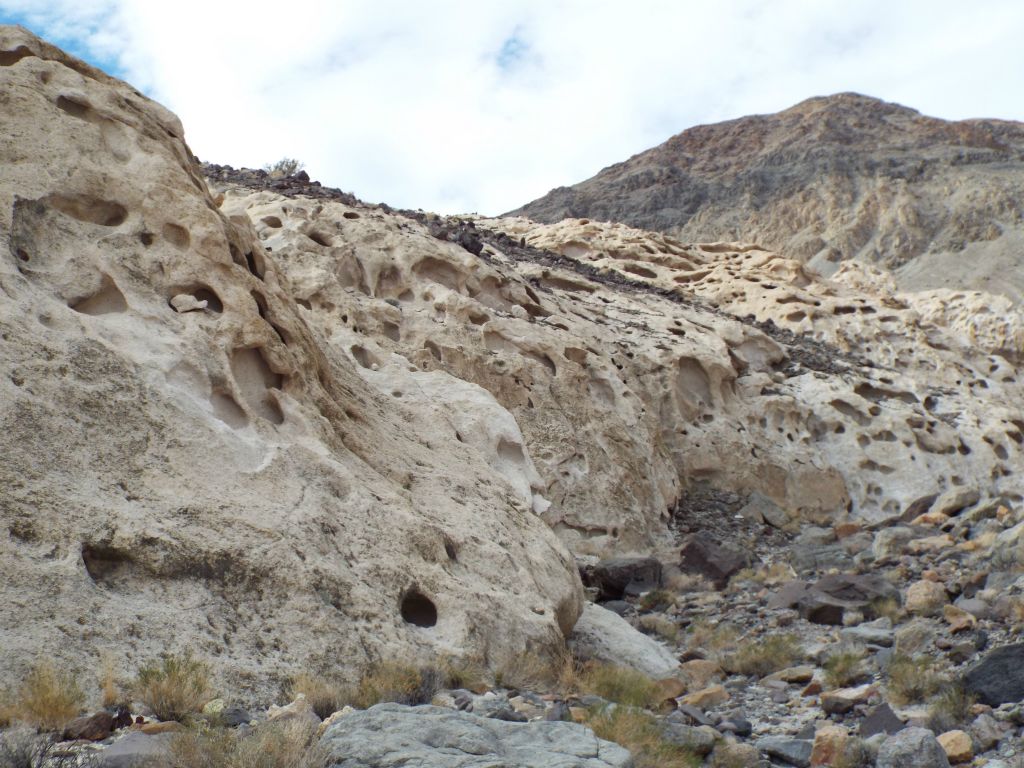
(456, 106)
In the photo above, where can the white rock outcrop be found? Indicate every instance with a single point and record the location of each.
(186, 463)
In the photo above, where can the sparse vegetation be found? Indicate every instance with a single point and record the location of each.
(24, 748)
(950, 708)
(47, 699)
(660, 626)
(765, 656)
(288, 744)
(912, 679)
(174, 687)
(286, 166)
(657, 600)
(325, 696)
(774, 573)
(712, 637)
(619, 684)
(844, 667)
(400, 683)
(886, 607)
(638, 732)
(679, 583)
(110, 692)
(464, 673)
(537, 672)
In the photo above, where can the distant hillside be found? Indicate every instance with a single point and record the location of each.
(833, 178)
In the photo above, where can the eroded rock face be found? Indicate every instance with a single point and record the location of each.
(830, 179)
(187, 463)
(845, 373)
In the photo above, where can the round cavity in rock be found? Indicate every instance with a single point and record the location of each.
(418, 609)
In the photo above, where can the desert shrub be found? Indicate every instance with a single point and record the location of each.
(844, 667)
(686, 582)
(540, 672)
(886, 607)
(773, 573)
(912, 679)
(764, 656)
(950, 708)
(47, 698)
(711, 637)
(287, 744)
(286, 166)
(325, 695)
(657, 600)
(24, 748)
(110, 691)
(463, 673)
(174, 687)
(619, 684)
(391, 681)
(639, 732)
(660, 626)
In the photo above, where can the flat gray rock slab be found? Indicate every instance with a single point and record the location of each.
(394, 736)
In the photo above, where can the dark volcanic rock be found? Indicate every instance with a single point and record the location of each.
(620, 576)
(999, 677)
(702, 555)
(826, 600)
(881, 720)
(832, 178)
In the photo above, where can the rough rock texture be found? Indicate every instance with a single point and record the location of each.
(389, 736)
(829, 388)
(912, 748)
(211, 472)
(999, 677)
(605, 636)
(832, 178)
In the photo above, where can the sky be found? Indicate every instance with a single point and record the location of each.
(484, 105)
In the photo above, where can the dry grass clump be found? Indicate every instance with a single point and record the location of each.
(174, 687)
(887, 608)
(765, 656)
(950, 708)
(773, 573)
(679, 582)
(47, 698)
(110, 691)
(288, 744)
(912, 679)
(619, 684)
(468, 673)
(660, 626)
(542, 673)
(657, 600)
(24, 748)
(638, 732)
(845, 667)
(711, 637)
(399, 683)
(325, 695)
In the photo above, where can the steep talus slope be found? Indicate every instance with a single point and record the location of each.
(185, 464)
(828, 180)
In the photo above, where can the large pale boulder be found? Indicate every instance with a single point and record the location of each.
(605, 636)
(391, 736)
(187, 463)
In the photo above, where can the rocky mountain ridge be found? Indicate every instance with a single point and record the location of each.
(829, 180)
